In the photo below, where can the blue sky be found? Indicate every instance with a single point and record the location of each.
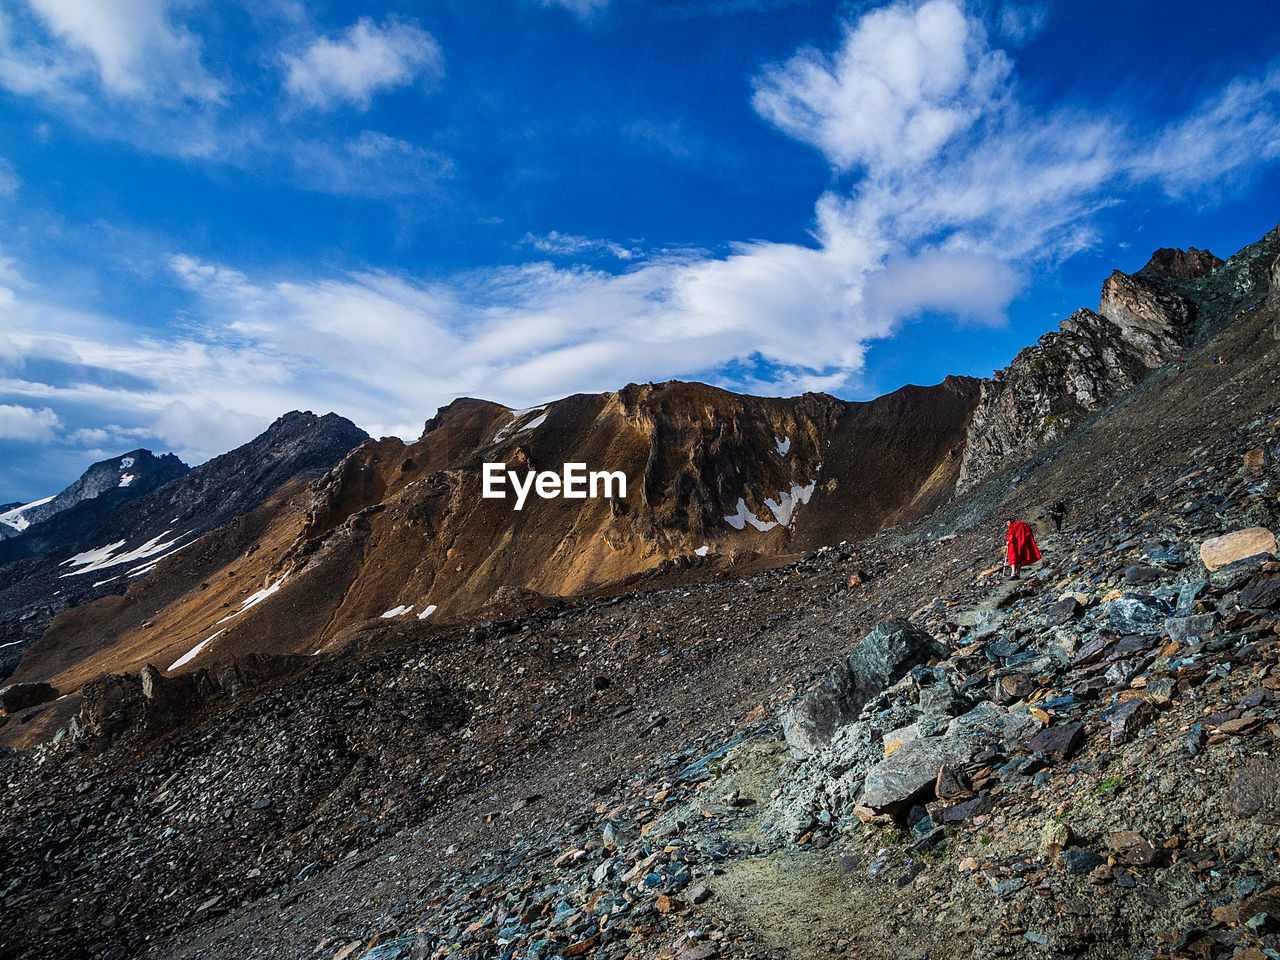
(216, 212)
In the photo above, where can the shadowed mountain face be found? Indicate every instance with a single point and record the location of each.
(307, 549)
(106, 535)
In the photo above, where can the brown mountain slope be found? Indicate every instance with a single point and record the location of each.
(405, 528)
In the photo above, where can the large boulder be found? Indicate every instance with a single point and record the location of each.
(1238, 545)
(884, 656)
(1130, 614)
(908, 775)
(20, 696)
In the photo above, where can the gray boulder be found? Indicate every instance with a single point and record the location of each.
(1130, 614)
(884, 656)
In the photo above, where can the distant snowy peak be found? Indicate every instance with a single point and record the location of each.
(135, 473)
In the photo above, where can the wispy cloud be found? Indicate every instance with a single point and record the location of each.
(585, 9)
(131, 49)
(367, 59)
(559, 244)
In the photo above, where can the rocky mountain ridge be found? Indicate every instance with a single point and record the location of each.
(96, 545)
(1143, 321)
(721, 484)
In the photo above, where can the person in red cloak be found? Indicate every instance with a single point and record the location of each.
(1022, 547)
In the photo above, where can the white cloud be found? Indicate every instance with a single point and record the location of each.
(559, 244)
(586, 9)
(9, 181)
(131, 48)
(26, 423)
(902, 84)
(950, 189)
(367, 59)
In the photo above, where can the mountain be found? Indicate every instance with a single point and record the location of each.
(97, 545)
(718, 484)
(880, 749)
(108, 483)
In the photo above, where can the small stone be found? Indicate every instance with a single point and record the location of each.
(952, 784)
(1009, 886)
(1133, 848)
(1054, 837)
(1059, 742)
(262, 802)
(1189, 629)
(1255, 791)
(1161, 690)
(1139, 574)
(1128, 718)
(1080, 862)
(1262, 593)
(1062, 611)
(700, 893)
(1130, 614)
(668, 904)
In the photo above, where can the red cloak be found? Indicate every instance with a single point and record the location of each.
(1022, 545)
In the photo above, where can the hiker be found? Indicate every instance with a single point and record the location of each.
(1022, 547)
(1057, 513)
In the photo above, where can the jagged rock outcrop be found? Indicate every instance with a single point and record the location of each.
(1178, 264)
(1048, 390)
(1144, 320)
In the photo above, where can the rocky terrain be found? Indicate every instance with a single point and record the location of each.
(876, 749)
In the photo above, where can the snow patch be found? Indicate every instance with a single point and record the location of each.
(702, 550)
(103, 557)
(507, 431)
(744, 516)
(783, 445)
(14, 518)
(255, 598)
(191, 654)
(106, 581)
(127, 479)
(785, 507)
(126, 463)
(428, 611)
(397, 611)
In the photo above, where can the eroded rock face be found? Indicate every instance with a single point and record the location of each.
(1153, 320)
(1048, 390)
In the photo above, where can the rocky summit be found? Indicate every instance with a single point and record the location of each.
(837, 731)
